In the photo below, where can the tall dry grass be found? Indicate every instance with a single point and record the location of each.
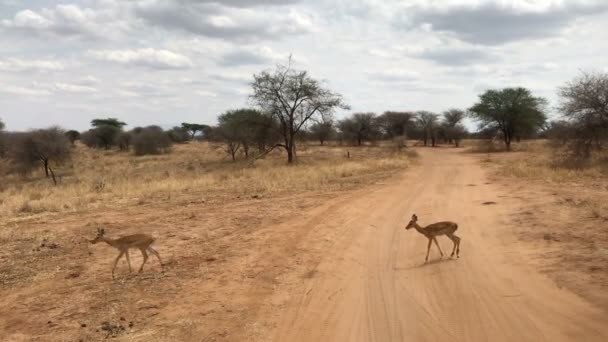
(542, 162)
(96, 179)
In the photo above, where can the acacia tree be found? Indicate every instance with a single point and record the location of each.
(42, 147)
(359, 127)
(452, 125)
(293, 97)
(105, 133)
(72, 136)
(322, 131)
(584, 102)
(395, 124)
(427, 122)
(512, 111)
(230, 131)
(194, 128)
(244, 128)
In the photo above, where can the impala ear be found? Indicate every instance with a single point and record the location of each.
(414, 218)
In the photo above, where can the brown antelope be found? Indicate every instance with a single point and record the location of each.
(123, 244)
(436, 229)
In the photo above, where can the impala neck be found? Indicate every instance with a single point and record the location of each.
(419, 229)
(109, 241)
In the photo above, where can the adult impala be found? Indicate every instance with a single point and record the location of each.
(431, 231)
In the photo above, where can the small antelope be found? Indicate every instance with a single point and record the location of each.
(436, 229)
(123, 244)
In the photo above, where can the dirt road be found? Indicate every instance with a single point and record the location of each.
(372, 284)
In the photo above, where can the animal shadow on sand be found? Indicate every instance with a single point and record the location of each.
(425, 264)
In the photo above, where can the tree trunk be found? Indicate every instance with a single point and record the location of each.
(53, 175)
(289, 155)
(322, 142)
(246, 150)
(46, 167)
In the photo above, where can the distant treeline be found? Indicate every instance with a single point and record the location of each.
(291, 106)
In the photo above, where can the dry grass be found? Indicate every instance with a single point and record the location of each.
(540, 163)
(102, 179)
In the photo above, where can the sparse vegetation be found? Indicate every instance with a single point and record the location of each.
(196, 168)
(45, 148)
(584, 103)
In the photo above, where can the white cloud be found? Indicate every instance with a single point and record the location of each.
(23, 91)
(19, 65)
(206, 93)
(251, 56)
(75, 88)
(210, 19)
(70, 20)
(394, 75)
(150, 58)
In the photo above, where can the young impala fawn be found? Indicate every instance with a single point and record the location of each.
(123, 244)
(436, 229)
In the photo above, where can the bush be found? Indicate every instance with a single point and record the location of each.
(40, 148)
(151, 140)
(178, 135)
(124, 141)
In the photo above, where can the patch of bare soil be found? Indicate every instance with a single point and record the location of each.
(221, 261)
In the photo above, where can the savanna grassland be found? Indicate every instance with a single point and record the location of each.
(209, 215)
(564, 210)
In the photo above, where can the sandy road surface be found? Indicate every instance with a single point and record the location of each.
(372, 284)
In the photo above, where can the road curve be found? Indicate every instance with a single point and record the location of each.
(372, 285)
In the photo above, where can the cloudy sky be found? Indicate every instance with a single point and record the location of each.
(168, 61)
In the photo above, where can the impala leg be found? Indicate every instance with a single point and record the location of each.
(145, 255)
(428, 249)
(457, 246)
(153, 251)
(453, 238)
(128, 260)
(116, 262)
(437, 244)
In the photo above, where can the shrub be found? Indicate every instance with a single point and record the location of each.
(151, 140)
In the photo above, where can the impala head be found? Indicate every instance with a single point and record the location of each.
(99, 237)
(412, 223)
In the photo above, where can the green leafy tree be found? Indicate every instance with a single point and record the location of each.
(512, 111)
(104, 134)
(194, 128)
